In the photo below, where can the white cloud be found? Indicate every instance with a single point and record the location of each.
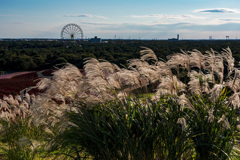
(235, 20)
(161, 26)
(126, 30)
(217, 10)
(86, 16)
(168, 19)
(152, 19)
(10, 15)
(97, 23)
(166, 16)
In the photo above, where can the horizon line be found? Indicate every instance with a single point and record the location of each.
(168, 39)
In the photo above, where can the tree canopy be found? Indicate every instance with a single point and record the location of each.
(37, 55)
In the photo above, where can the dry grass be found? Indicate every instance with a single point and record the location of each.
(196, 73)
(187, 76)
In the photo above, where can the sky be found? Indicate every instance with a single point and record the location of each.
(124, 19)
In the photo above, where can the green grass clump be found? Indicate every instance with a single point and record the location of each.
(22, 140)
(126, 130)
(133, 129)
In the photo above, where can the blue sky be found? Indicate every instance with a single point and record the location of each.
(144, 19)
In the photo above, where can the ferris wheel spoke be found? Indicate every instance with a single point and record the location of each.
(68, 31)
(66, 36)
(73, 29)
(76, 28)
(65, 33)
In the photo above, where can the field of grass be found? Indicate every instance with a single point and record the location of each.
(185, 108)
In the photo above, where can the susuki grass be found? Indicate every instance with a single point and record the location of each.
(21, 140)
(127, 130)
(164, 129)
(190, 111)
(215, 125)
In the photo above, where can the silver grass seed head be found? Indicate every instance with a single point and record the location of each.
(183, 123)
(235, 100)
(234, 85)
(161, 93)
(205, 87)
(178, 85)
(18, 98)
(93, 68)
(113, 81)
(211, 117)
(10, 100)
(68, 70)
(150, 74)
(107, 67)
(185, 103)
(134, 64)
(196, 58)
(166, 84)
(227, 55)
(43, 83)
(98, 84)
(218, 68)
(224, 121)
(91, 60)
(216, 91)
(128, 78)
(171, 85)
(163, 69)
(209, 59)
(180, 59)
(148, 54)
(194, 86)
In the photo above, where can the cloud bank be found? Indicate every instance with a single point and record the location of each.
(86, 16)
(167, 16)
(217, 10)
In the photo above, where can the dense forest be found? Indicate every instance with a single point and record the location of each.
(38, 55)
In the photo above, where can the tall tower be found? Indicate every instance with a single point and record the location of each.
(178, 36)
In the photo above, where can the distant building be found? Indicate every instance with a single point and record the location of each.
(105, 41)
(174, 39)
(95, 40)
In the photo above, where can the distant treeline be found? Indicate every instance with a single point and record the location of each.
(38, 55)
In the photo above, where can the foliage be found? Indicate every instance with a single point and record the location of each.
(126, 130)
(133, 129)
(215, 126)
(192, 113)
(21, 140)
(205, 106)
(35, 55)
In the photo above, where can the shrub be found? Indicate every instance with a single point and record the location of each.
(21, 140)
(126, 130)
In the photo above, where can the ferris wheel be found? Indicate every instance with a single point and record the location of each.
(72, 32)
